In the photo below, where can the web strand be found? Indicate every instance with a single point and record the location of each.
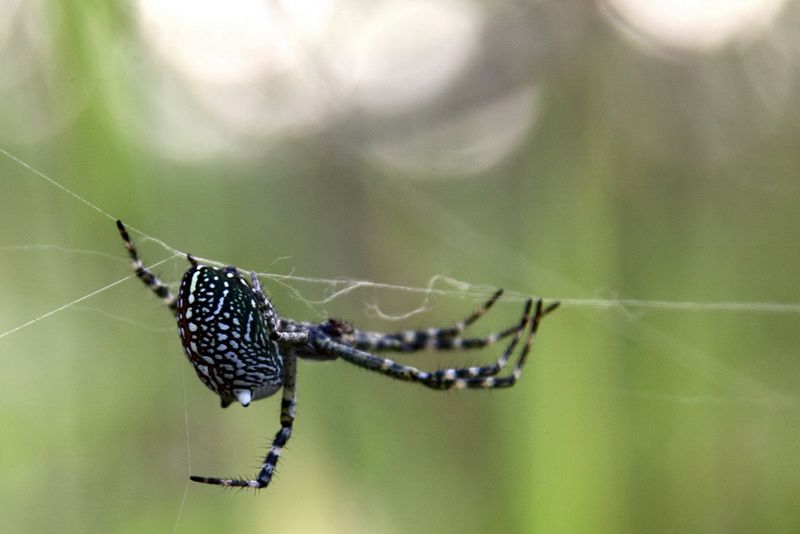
(56, 184)
(76, 301)
(668, 305)
(182, 506)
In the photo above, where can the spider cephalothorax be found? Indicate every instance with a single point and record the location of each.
(243, 350)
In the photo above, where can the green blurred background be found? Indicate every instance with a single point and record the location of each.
(616, 149)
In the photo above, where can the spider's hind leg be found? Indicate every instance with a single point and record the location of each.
(145, 275)
(288, 402)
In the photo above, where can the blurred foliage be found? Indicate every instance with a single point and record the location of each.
(561, 158)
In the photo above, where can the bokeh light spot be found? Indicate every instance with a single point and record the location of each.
(691, 24)
(410, 51)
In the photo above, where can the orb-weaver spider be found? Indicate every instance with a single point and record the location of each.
(244, 351)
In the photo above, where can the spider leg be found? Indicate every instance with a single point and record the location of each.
(438, 339)
(270, 314)
(278, 332)
(473, 377)
(487, 370)
(144, 274)
(278, 443)
(448, 338)
(367, 340)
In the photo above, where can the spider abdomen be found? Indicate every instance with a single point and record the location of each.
(225, 336)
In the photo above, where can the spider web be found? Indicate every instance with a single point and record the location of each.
(340, 287)
(683, 355)
(333, 289)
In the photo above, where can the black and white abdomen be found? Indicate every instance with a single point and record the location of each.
(225, 336)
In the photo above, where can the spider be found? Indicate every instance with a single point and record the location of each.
(244, 351)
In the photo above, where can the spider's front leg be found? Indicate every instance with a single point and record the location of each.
(472, 377)
(441, 338)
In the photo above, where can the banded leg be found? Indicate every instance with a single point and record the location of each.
(478, 378)
(447, 338)
(369, 340)
(278, 443)
(435, 339)
(420, 340)
(493, 369)
(144, 274)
